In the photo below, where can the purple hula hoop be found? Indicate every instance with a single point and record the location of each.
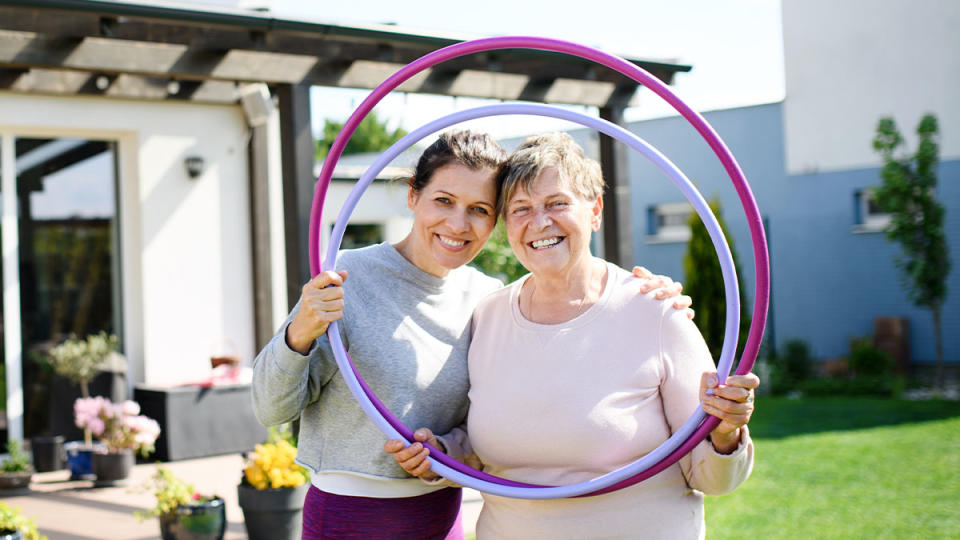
(754, 220)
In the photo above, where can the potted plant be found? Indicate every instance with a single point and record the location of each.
(79, 360)
(15, 471)
(272, 490)
(14, 526)
(121, 429)
(184, 514)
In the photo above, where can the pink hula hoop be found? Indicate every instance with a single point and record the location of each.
(754, 219)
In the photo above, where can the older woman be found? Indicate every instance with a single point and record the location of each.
(574, 374)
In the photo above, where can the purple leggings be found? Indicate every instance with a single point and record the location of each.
(432, 516)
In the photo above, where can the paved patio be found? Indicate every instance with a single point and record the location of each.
(76, 510)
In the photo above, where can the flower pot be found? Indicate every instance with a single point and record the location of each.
(15, 480)
(49, 453)
(112, 468)
(195, 521)
(274, 514)
(15, 535)
(80, 459)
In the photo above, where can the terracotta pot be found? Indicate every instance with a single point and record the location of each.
(272, 514)
(216, 361)
(112, 468)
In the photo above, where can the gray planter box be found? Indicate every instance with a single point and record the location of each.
(199, 422)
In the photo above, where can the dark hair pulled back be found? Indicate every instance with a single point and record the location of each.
(468, 148)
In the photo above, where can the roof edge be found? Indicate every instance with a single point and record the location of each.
(266, 21)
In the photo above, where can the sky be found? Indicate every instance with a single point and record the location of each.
(734, 46)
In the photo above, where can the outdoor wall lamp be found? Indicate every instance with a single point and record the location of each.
(194, 165)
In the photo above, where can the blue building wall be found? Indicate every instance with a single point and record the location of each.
(829, 282)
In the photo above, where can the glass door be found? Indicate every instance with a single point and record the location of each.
(68, 265)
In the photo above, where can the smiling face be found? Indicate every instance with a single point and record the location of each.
(549, 225)
(453, 216)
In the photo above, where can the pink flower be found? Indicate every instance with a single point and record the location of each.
(130, 408)
(89, 411)
(144, 430)
(112, 411)
(118, 425)
(96, 426)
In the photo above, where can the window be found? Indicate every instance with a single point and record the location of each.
(357, 235)
(868, 216)
(668, 222)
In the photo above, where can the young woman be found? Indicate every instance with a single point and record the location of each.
(408, 334)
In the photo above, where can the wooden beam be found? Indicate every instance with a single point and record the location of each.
(9, 76)
(65, 159)
(260, 236)
(462, 77)
(29, 49)
(297, 158)
(66, 82)
(143, 69)
(617, 222)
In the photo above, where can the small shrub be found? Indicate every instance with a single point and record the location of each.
(791, 367)
(17, 460)
(170, 492)
(868, 361)
(11, 521)
(80, 359)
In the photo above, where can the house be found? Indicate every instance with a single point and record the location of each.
(811, 165)
(157, 169)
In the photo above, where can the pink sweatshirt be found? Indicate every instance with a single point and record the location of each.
(563, 403)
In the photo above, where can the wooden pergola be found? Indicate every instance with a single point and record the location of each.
(153, 51)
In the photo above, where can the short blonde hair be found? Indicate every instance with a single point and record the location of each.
(539, 152)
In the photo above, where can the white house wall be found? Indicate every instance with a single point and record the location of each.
(185, 243)
(848, 63)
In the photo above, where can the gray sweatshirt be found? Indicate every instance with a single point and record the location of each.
(407, 332)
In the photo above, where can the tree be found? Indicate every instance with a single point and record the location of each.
(703, 281)
(908, 194)
(371, 135)
(497, 259)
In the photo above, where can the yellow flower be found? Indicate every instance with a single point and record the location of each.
(272, 465)
(256, 477)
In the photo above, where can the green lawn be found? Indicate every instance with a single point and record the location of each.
(847, 468)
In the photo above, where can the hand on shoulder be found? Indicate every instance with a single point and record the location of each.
(664, 287)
